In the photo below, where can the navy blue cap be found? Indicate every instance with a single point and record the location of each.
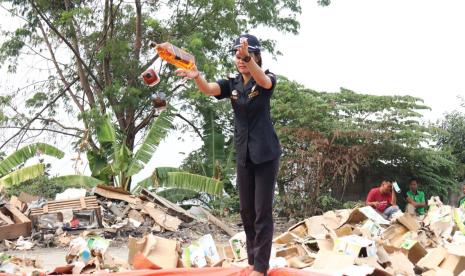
(254, 43)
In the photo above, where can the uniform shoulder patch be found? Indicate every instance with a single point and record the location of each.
(270, 74)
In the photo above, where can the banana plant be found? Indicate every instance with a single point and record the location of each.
(214, 165)
(11, 172)
(180, 183)
(219, 154)
(120, 163)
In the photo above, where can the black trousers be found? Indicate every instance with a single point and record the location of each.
(256, 190)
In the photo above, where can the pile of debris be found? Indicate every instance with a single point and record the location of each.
(362, 242)
(116, 214)
(359, 241)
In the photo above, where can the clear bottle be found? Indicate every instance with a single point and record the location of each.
(174, 55)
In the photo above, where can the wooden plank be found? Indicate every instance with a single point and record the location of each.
(83, 203)
(73, 206)
(87, 199)
(54, 210)
(79, 206)
(17, 215)
(211, 218)
(90, 203)
(117, 195)
(114, 189)
(163, 219)
(173, 209)
(78, 203)
(6, 219)
(72, 203)
(17, 203)
(22, 225)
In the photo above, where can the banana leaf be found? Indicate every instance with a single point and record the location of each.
(194, 182)
(23, 154)
(23, 174)
(158, 131)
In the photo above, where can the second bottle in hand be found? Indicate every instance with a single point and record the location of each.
(174, 55)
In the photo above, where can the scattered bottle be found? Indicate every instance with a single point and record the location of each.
(159, 100)
(150, 77)
(174, 55)
(396, 187)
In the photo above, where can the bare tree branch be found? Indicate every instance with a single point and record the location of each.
(51, 120)
(58, 68)
(145, 121)
(42, 129)
(138, 39)
(75, 51)
(109, 26)
(196, 129)
(62, 92)
(150, 62)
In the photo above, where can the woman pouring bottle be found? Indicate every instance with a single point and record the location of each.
(257, 146)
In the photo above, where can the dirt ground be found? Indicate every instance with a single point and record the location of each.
(52, 257)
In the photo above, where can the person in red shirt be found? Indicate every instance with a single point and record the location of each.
(383, 199)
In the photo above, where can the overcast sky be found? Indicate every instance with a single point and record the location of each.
(382, 47)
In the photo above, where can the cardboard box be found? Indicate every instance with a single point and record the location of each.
(300, 262)
(355, 246)
(393, 232)
(437, 272)
(330, 261)
(226, 252)
(410, 222)
(413, 249)
(401, 264)
(359, 215)
(433, 259)
(238, 244)
(410, 247)
(453, 263)
(22, 225)
(284, 238)
(371, 229)
(151, 252)
(345, 230)
(201, 253)
(299, 230)
(287, 252)
(317, 227)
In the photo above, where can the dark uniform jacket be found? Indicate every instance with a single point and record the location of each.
(254, 134)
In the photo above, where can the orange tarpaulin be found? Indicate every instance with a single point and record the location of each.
(210, 271)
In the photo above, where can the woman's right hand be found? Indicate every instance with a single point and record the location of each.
(190, 74)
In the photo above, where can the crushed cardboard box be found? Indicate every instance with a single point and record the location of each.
(152, 252)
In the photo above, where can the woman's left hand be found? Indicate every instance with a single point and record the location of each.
(243, 51)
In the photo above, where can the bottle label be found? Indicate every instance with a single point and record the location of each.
(179, 54)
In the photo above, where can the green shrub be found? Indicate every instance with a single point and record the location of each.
(41, 186)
